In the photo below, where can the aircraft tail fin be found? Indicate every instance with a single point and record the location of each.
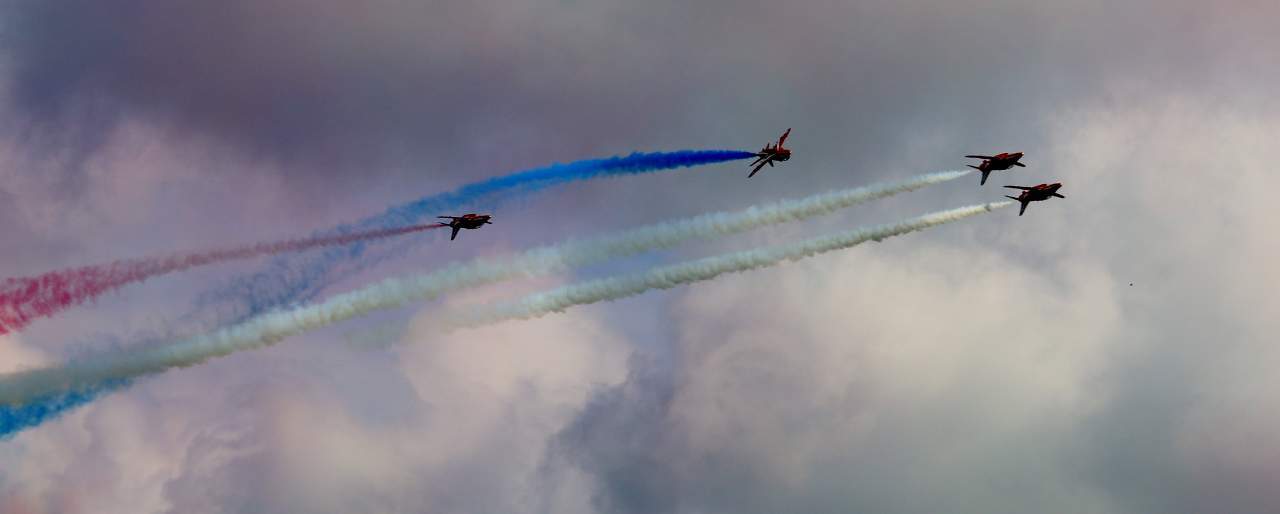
(455, 233)
(1024, 204)
(1058, 195)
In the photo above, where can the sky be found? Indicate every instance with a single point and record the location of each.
(1001, 364)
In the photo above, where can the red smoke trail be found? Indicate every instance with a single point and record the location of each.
(24, 299)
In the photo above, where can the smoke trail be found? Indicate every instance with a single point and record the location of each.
(18, 388)
(22, 300)
(288, 281)
(284, 283)
(15, 418)
(550, 259)
(667, 277)
(268, 328)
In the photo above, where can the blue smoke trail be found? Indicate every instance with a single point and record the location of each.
(14, 419)
(286, 282)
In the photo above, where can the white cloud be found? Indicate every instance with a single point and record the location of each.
(1008, 370)
(999, 365)
(441, 424)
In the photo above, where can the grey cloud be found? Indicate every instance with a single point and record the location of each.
(420, 95)
(340, 88)
(752, 410)
(828, 409)
(1037, 381)
(346, 88)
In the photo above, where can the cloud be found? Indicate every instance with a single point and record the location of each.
(15, 355)
(1050, 383)
(1004, 373)
(899, 375)
(322, 88)
(449, 426)
(1195, 251)
(326, 89)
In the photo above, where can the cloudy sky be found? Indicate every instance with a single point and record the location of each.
(998, 365)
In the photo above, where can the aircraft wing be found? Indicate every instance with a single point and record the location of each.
(783, 139)
(980, 157)
(766, 160)
(1024, 188)
(1020, 165)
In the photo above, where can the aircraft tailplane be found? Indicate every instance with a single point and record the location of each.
(1024, 204)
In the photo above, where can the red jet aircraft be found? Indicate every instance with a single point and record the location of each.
(996, 162)
(467, 221)
(1035, 194)
(771, 153)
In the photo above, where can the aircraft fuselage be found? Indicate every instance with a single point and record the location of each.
(1001, 162)
(1039, 193)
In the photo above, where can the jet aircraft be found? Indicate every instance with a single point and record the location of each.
(770, 153)
(467, 221)
(996, 162)
(1035, 194)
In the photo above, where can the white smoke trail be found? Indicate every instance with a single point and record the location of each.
(667, 277)
(16, 388)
